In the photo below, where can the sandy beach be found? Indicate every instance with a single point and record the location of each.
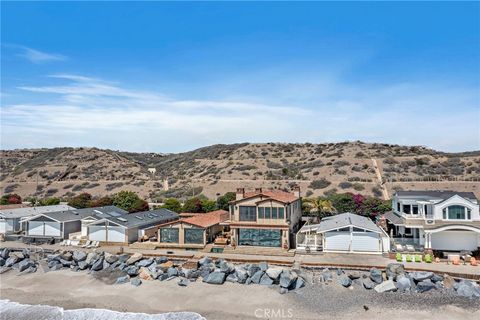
(76, 290)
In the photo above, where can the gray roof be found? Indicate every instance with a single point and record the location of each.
(78, 214)
(147, 218)
(341, 221)
(117, 215)
(32, 211)
(393, 218)
(435, 194)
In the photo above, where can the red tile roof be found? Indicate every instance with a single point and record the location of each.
(278, 195)
(208, 219)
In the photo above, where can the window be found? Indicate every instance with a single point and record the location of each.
(261, 213)
(169, 235)
(414, 209)
(248, 213)
(456, 212)
(469, 214)
(398, 206)
(274, 213)
(258, 237)
(408, 231)
(267, 213)
(194, 236)
(281, 214)
(406, 208)
(444, 213)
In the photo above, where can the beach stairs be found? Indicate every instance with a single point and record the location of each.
(191, 263)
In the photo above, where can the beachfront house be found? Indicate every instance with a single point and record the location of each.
(265, 218)
(345, 232)
(437, 220)
(12, 220)
(107, 224)
(192, 232)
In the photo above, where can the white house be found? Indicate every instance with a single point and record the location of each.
(105, 224)
(11, 220)
(437, 220)
(346, 232)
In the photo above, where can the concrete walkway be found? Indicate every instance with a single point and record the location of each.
(338, 260)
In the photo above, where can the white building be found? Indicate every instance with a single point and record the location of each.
(437, 220)
(107, 224)
(346, 232)
(11, 220)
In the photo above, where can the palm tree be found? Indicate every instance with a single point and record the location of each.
(321, 207)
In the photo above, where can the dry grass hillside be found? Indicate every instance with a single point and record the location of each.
(318, 168)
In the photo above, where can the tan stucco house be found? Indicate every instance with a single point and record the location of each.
(265, 218)
(192, 232)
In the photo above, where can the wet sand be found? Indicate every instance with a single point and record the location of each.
(76, 290)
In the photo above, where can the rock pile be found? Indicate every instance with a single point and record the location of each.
(17, 260)
(136, 268)
(396, 279)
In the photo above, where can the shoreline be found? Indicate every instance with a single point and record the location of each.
(79, 290)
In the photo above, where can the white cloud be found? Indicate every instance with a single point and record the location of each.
(93, 112)
(37, 56)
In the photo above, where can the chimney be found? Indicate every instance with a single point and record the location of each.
(296, 191)
(258, 190)
(240, 193)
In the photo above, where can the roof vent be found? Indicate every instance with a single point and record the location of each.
(122, 219)
(97, 211)
(139, 218)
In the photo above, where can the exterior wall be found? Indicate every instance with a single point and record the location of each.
(71, 227)
(47, 226)
(433, 216)
(181, 226)
(438, 209)
(8, 225)
(291, 219)
(132, 235)
(101, 228)
(434, 210)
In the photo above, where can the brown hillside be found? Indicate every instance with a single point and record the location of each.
(217, 169)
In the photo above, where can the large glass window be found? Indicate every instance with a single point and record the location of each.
(456, 213)
(414, 209)
(248, 213)
(260, 237)
(271, 213)
(274, 213)
(268, 213)
(398, 206)
(194, 236)
(169, 235)
(261, 213)
(406, 208)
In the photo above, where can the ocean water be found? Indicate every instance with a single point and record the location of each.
(16, 311)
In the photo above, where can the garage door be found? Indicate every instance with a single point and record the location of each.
(35, 228)
(337, 241)
(365, 242)
(52, 229)
(455, 240)
(97, 233)
(116, 234)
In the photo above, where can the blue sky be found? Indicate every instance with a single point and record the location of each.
(171, 77)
